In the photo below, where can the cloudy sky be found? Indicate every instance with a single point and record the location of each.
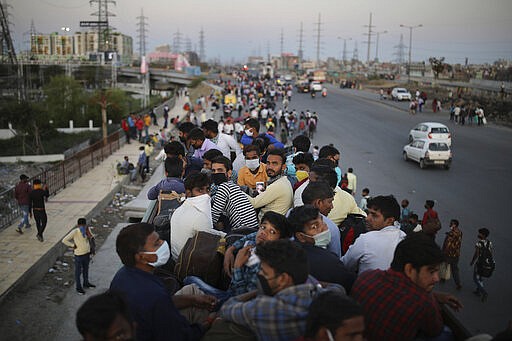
(234, 29)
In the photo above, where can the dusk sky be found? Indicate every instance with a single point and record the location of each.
(455, 29)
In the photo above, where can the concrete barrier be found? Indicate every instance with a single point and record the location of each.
(32, 158)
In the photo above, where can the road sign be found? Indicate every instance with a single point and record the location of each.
(93, 23)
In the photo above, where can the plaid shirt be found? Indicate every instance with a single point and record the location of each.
(395, 307)
(279, 317)
(245, 278)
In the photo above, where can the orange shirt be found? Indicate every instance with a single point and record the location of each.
(246, 178)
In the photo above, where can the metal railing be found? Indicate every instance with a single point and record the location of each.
(62, 174)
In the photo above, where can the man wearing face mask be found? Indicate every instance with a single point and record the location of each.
(254, 171)
(278, 310)
(252, 129)
(193, 215)
(229, 199)
(331, 153)
(200, 143)
(154, 310)
(374, 249)
(313, 235)
(278, 196)
(190, 164)
(300, 144)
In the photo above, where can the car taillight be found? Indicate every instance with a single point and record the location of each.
(429, 135)
(449, 136)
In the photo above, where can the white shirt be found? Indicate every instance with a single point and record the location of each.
(194, 215)
(373, 250)
(352, 182)
(226, 143)
(297, 196)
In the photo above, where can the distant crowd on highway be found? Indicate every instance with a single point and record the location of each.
(256, 238)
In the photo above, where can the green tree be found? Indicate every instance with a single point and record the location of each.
(438, 65)
(116, 102)
(64, 100)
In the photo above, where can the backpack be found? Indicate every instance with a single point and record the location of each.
(485, 264)
(350, 228)
(168, 202)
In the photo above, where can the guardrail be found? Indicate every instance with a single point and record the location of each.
(62, 174)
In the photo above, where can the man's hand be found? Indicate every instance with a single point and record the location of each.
(242, 256)
(205, 302)
(448, 299)
(229, 260)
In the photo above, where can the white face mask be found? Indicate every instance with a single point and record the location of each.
(163, 253)
(322, 239)
(248, 132)
(252, 164)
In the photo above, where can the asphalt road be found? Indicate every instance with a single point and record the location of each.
(371, 134)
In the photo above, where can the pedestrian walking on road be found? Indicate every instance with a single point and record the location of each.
(451, 250)
(483, 262)
(22, 195)
(82, 241)
(38, 196)
(166, 115)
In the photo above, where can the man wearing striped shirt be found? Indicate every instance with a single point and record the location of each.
(229, 199)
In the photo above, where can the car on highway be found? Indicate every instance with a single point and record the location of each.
(302, 86)
(315, 86)
(431, 130)
(400, 94)
(428, 153)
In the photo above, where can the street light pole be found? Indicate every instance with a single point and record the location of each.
(377, 46)
(410, 49)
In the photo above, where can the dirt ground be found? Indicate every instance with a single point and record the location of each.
(35, 314)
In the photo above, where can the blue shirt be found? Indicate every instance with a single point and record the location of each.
(247, 140)
(206, 146)
(335, 245)
(152, 308)
(166, 185)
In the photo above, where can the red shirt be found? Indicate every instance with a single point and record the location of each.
(395, 308)
(429, 214)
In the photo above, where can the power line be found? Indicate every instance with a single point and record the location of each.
(369, 34)
(103, 14)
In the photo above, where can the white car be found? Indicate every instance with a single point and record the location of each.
(400, 94)
(315, 86)
(431, 130)
(428, 153)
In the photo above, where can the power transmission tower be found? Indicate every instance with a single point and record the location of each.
(268, 51)
(31, 41)
(14, 69)
(4, 42)
(300, 53)
(104, 41)
(318, 31)
(188, 44)
(369, 34)
(355, 55)
(282, 42)
(177, 41)
(400, 50)
(202, 54)
(141, 30)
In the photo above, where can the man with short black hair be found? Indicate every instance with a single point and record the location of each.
(278, 311)
(398, 303)
(278, 196)
(22, 195)
(224, 142)
(300, 144)
(229, 199)
(451, 250)
(141, 250)
(190, 164)
(105, 317)
(173, 179)
(194, 215)
(331, 153)
(312, 234)
(320, 195)
(374, 249)
(80, 239)
(198, 141)
(252, 128)
(344, 323)
(254, 171)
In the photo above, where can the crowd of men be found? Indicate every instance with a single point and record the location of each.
(279, 216)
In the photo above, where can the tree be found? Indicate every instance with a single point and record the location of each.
(64, 100)
(438, 65)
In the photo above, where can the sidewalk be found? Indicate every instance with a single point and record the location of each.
(24, 259)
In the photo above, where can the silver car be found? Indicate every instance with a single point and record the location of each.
(432, 131)
(428, 153)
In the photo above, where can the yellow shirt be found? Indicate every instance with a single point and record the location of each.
(75, 238)
(343, 204)
(278, 197)
(246, 178)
